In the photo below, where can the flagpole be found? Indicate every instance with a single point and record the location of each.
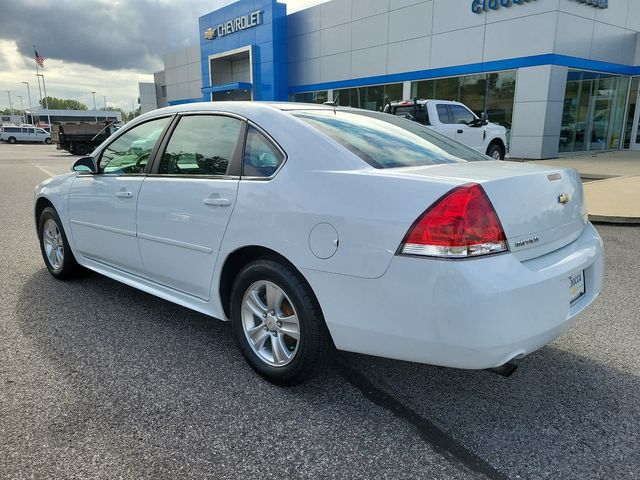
(44, 85)
(46, 100)
(38, 77)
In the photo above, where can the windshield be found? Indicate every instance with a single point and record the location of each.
(387, 141)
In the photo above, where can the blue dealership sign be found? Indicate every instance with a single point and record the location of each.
(479, 6)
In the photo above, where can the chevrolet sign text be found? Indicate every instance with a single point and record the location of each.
(238, 24)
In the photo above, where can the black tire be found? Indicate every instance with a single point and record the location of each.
(495, 149)
(80, 149)
(47, 141)
(315, 342)
(12, 140)
(69, 267)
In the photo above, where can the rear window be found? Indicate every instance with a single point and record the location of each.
(12, 130)
(387, 141)
(416, 113)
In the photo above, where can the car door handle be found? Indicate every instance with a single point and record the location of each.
(217, 202)
(123, 194)
(460, 131)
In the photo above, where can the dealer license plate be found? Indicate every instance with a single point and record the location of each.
(576, 287)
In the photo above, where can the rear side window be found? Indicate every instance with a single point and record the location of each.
(32, 131)
(261, 157)
(12, 130)
(201, 145)
(386, 141)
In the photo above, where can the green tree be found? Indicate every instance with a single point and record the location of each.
(15, 111)
(62, 104)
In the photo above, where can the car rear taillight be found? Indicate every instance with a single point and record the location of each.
(461, 224)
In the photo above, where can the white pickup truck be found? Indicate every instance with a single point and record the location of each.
(455, 120)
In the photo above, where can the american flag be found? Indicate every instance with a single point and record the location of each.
(39, 59)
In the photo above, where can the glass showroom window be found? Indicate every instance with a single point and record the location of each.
(309, 97)
(631, 111)
(492, 93)
(368, 98)
(593, 114)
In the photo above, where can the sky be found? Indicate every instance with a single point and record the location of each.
(106, 46)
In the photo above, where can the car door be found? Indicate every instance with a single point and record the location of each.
(463, 120)
(445, 126)
(186, 203)
(102, 206)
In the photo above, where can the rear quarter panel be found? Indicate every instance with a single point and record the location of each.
(322, 182)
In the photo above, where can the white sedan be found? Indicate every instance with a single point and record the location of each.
(313, 227)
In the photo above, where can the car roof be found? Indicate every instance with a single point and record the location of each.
(235, 107)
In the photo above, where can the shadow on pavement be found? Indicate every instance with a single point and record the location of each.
(149, 372)
(156, 390)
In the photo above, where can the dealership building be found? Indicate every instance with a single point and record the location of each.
(561, 75)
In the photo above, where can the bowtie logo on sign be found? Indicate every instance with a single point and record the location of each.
(479, 6)
(238, 24)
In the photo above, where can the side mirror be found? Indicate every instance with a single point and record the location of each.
(85, 164)
(484, 118)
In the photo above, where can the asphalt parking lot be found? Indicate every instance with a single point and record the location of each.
(98, 380)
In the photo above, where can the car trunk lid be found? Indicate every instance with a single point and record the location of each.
(541, 208)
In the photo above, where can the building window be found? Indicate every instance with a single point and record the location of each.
(163, 91)
(492, 93)
(309, 97)
(593, 114)
(368, 98)
(631, 111)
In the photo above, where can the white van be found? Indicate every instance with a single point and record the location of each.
(24, 133)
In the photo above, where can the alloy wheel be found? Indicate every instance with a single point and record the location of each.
(53, 244)
(270, 323)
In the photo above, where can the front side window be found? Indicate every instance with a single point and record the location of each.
(443, 113)
(460, 114)
(261, 158)
(201, 145)
(129, 153)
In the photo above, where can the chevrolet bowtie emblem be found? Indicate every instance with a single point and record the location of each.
(209, 34)
(563, 198)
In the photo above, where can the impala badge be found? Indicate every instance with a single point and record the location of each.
(563, 198)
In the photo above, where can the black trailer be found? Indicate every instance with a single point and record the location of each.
(81, 138)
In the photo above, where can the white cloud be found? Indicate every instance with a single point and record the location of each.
(106, 46)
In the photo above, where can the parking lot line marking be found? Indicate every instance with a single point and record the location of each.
(48, 172)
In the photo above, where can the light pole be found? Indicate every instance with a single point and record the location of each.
(22, 107)
(10, 105)
(29, 97)
(105, 102)
(94, 105)
(46, 99)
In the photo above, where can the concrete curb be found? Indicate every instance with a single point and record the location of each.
(632, 221)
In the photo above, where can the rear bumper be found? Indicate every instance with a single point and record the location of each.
(477, 313)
